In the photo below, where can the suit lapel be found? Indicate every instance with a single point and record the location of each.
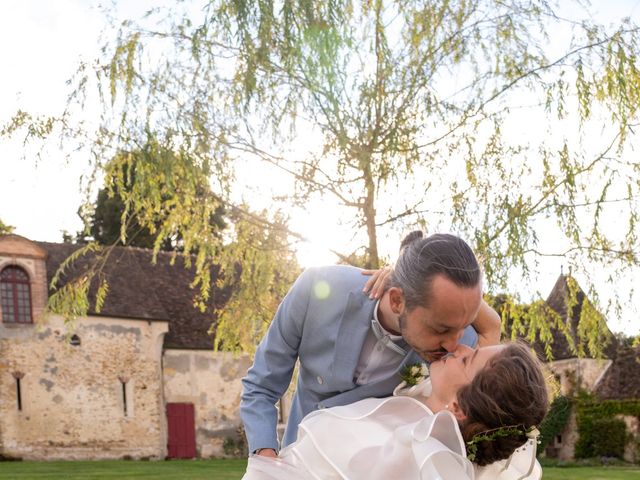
(354, 325)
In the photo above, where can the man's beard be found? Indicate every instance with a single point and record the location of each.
(431, 355)
(401, 324)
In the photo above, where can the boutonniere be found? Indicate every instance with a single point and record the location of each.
(413, 374)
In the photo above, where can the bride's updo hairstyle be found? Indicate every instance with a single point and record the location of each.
(510, 391)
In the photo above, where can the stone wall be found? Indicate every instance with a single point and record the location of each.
(72, 396)
(588, 370)
(211, 382)
(632, 448)
(20, 252)
(565, 448)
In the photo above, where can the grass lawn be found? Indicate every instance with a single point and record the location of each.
(226, 470)
(591, 473)
(122, 470)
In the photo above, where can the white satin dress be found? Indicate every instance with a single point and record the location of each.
(390, 438)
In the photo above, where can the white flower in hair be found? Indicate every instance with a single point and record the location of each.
(533, 434)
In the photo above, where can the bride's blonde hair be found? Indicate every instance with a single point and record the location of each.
(509, 391)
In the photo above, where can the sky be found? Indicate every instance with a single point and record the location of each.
(42, 43)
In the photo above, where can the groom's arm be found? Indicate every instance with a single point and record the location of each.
(270, 374)
(487, 324)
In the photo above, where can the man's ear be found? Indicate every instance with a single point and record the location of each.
(396, 300)
(457, 411)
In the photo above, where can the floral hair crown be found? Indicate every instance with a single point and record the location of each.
(490, 435)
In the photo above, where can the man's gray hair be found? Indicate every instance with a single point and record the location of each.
(422, 259)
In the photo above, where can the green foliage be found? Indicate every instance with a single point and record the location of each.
(71, 301)
(536, 321)
(176, 469)
(413, 97)
(531, 321)
(112, 222)
(260, 270)
(414, 373)
(555, 421)
(610, 437)
(236, 446)
(607, 408)
(491, 435)
(600, 433)
(4, 229)
(601, 437)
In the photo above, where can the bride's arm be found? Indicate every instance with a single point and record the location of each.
(487, 324)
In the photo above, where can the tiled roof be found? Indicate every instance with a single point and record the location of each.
(557, 301)
(142, 290)
(622, 379)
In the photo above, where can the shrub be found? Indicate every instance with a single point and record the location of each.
(555, 421)
(601, 437)
(600, 433)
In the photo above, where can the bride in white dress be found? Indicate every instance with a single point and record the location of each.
(473, 418)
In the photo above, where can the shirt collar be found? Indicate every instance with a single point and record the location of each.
(387, 339)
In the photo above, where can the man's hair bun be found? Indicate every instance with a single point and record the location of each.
(410, 238)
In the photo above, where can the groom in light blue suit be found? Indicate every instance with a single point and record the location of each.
(352, 347)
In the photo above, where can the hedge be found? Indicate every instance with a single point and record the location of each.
(600, 433)
(555, 421)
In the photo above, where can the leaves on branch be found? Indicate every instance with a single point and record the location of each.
(466, 97)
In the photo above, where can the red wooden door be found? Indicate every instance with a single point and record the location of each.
(182, 430)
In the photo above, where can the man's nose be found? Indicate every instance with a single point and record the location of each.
(451, 343)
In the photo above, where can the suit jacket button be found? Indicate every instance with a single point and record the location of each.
(319, 379)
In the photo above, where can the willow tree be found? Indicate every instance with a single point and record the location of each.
(412, 105)
(4, 229)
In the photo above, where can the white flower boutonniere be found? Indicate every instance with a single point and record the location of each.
(413, 374)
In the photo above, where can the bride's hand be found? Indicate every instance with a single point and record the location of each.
(377, 284)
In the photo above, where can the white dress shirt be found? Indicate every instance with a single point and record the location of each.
(381, 353)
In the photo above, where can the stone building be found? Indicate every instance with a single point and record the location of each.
(138, 379)
(616, 376)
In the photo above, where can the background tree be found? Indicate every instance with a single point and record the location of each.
(177, 208)
(4, 229)
(110, 212)
(429, 99)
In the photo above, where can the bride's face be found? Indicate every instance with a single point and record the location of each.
(458, 369)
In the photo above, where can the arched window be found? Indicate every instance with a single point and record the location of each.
(15, 295)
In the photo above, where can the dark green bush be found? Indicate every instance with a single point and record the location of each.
(555, 421)
(601, 437)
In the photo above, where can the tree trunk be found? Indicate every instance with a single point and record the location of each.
(369, 212)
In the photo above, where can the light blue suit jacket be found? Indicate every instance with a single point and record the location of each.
(323, 321)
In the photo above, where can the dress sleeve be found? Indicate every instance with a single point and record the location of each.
(265, 468)
(445, 465)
